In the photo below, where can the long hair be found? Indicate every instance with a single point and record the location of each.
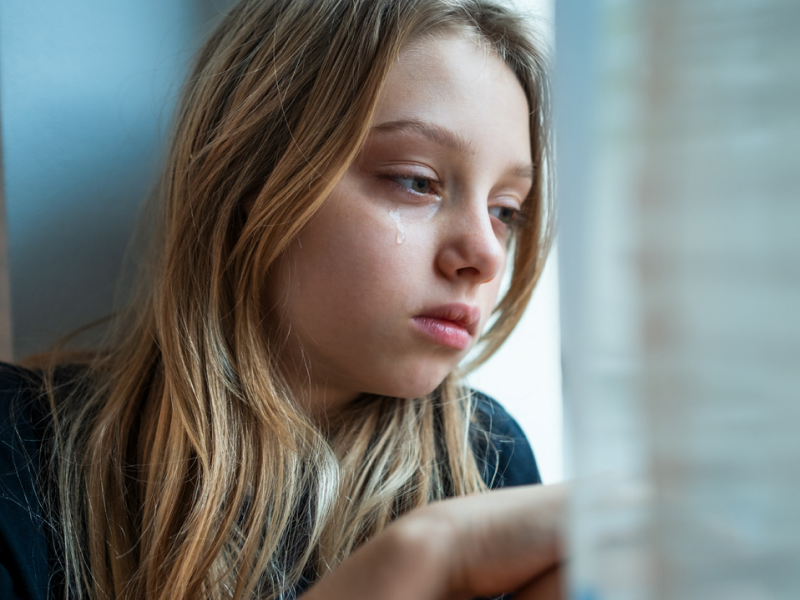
(183, 466)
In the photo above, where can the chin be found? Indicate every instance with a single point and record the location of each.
(413, 386)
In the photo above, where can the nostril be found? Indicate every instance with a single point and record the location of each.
(468, 271)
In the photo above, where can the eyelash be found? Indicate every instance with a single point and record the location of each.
(514, 219)
(413, 178)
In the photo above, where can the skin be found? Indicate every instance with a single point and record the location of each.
(458, 549)
(448, 155)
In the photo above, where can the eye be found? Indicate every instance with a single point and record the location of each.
(504, 214)
(420, 185)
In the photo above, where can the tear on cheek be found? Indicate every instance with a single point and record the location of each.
(400, 234)
(414, 215)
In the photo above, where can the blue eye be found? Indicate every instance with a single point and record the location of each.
(420, 185)
(504, 214)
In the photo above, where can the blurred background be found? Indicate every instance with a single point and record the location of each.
(672, 303)
(678, 135)
(87, 89)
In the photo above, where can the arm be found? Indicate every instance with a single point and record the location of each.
(458, 549)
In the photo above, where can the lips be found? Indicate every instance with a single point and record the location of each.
(451, 325)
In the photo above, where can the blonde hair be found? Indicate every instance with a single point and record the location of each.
(183, 467)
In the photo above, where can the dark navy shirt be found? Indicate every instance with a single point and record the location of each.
(27, 561)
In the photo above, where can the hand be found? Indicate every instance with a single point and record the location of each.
(461, 548)
(548, 586)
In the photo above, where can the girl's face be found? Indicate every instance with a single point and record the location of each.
(393, 280)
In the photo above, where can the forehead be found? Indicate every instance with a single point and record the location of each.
(458, 83)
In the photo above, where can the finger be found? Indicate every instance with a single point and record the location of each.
(506, 538)
(549, 586)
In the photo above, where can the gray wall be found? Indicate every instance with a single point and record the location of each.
(87, 88)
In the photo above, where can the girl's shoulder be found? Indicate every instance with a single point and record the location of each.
(24, 570)
(504, 454)
(23, 417)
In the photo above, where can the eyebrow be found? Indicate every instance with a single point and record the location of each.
(449, 139)
(438, 135)
(522, 170)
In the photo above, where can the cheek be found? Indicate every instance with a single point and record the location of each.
(345, 267)
(488, 296)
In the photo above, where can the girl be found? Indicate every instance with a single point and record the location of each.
(346, 183)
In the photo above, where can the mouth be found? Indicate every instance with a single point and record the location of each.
(450, 325)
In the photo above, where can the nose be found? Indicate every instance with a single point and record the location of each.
(470, 249)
